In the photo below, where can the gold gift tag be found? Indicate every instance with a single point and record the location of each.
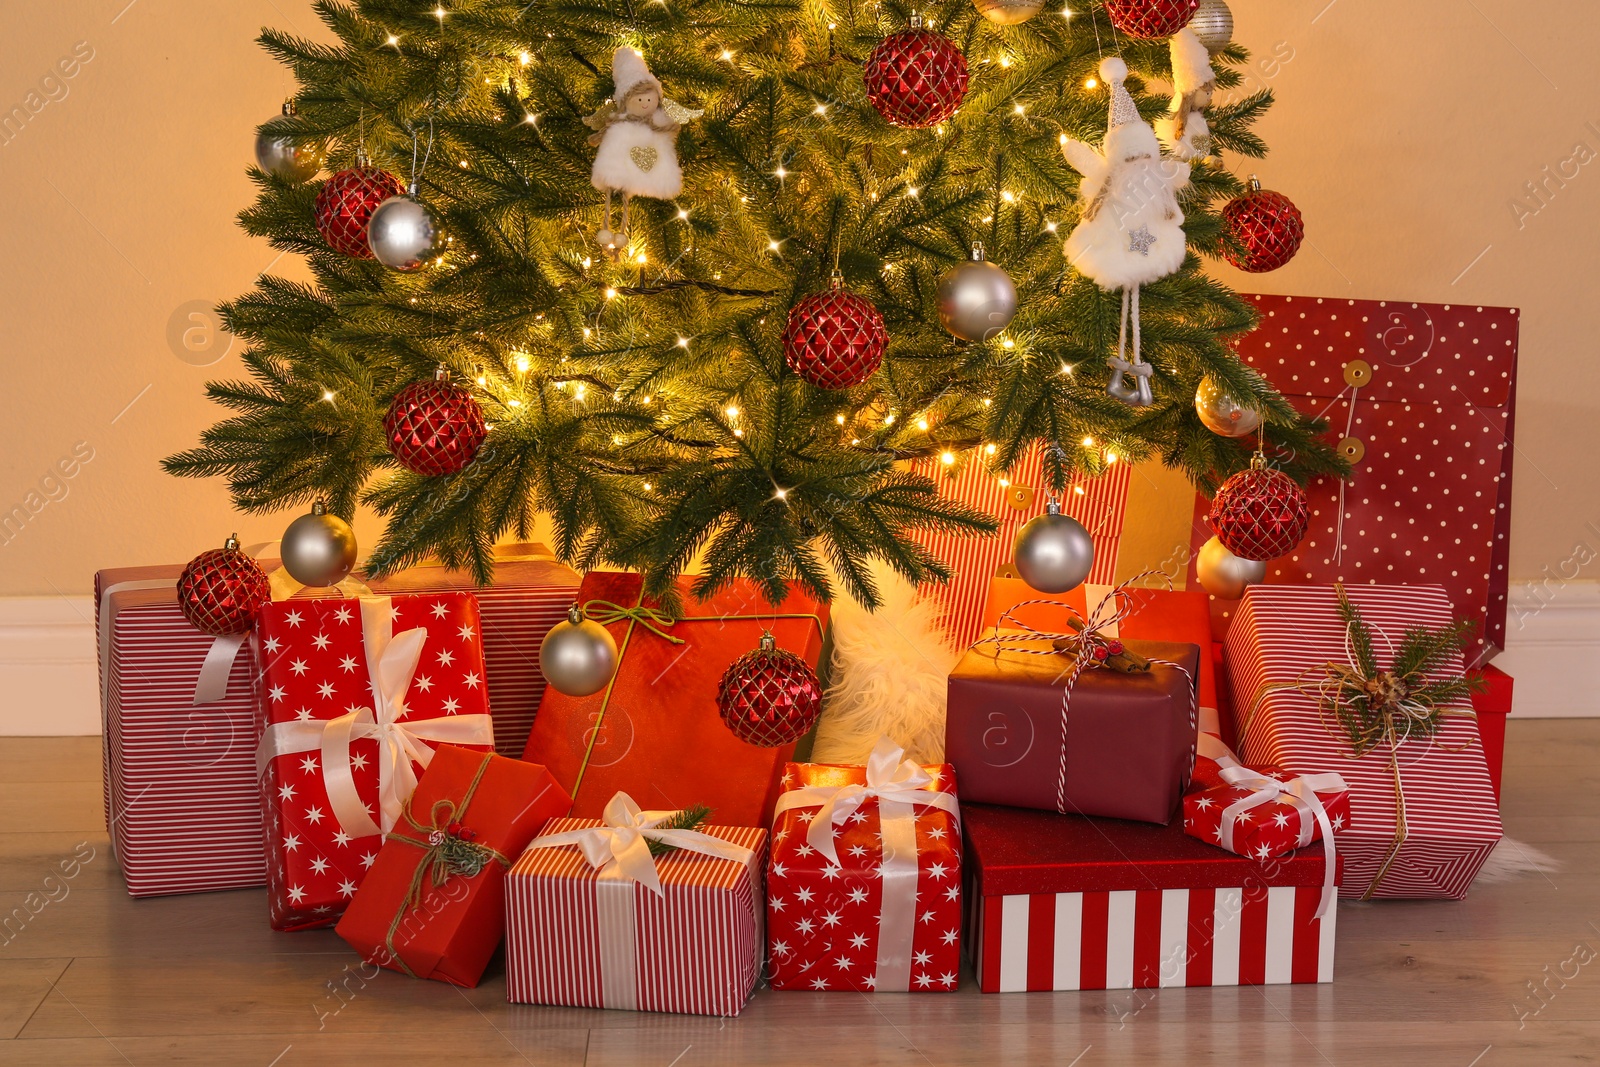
(1020, 497)
(1352, 449)
(1358, 372)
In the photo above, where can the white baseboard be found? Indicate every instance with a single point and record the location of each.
(48, 676)
(1553, 650)
(49, 679)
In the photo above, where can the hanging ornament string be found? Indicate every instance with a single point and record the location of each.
(1372, 707)
(1088, 648)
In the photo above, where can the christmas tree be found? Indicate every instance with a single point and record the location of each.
(628, 355)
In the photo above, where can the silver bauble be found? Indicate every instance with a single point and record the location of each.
(976, 299)
(403, 233)
(1008, 12)
(319, 549)
(578, 657)
(1221, 413)
(1225, 575)
(1054, 553)
(289, 158)
(1213, 25)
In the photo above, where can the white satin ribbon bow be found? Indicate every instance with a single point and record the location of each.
(898, 785)
(391, 661)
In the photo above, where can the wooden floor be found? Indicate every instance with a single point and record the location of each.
(99, 978)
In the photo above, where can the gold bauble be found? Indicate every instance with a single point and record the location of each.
(1008, 12)
(1221, 413)
(1213, 25)
(1225, 575)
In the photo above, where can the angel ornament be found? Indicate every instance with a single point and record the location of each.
(1131, 231)
(1184, 129)
(637, 134)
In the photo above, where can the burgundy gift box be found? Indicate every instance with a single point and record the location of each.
(1421, 399)
(1067, 902)
(1122, 747)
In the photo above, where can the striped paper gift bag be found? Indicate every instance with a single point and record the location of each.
(1067, 902)
(1422, 822)
(182, 804)
(588, 938)
(1098, 503)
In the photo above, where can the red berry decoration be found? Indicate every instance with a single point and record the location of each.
(1260, 514)
(1151, 19)
(434, 427)
(221, 591)
(1265, 230)
(916, 77)
(834, 339)
(769, 697)
(346, 202)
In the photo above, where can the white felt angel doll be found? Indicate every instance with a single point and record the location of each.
(1184, 129)
(637, 133)
(1131, 230)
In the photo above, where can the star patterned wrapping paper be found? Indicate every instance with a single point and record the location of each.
(831, 926)
(338, 755)
(1268, 830)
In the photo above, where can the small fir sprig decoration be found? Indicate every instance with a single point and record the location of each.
(690, 818)
(1409, 699)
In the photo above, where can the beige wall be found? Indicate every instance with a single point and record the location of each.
(1404, 131)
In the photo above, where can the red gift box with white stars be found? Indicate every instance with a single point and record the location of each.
(832, 926)
(1421, 399)
(354, 696)
(1264, 831)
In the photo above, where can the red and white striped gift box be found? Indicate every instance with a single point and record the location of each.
(696, 949)
(1098, 503)
(1282, 635)
(1066, 902)
(182, 804)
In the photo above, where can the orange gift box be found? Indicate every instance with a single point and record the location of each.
(655, 732)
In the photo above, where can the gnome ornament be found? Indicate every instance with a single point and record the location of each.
(637, 134)
(1184, 129)
(1131, 231)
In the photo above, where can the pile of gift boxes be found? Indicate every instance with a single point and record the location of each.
(1125, 799)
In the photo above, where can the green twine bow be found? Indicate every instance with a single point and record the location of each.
(605, 613)
(449, 849)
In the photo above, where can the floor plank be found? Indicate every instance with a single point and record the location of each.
(95, 977)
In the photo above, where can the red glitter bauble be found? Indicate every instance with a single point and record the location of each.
(1151, 19)
(916, 78)
(1265, 230)
(434, 428)
(769, 697)
(1260, 514)
(346, 202)
(834, 339)
(221, 590)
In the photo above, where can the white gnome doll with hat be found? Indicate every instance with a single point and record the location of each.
(1184, 129)
(637, 134)
(1131, 230)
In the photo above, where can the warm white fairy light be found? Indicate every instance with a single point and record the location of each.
(587, 331)
(913, 190)
(682, 214)
(611, 294)
(587, 262)
(1020, 109)
(522, 364)
(464, 164)
(947, 458)
(773, 246)
(1050, 227)
(1078, 489)
(648, 487)
(1008, 343)
(727, 56)
(1066, 368)
(822, 109)
(328, 394)
(439, 13)
(514, 403)
(530, 118)
(394, 41)
(1111, 457)
(922, 424)
(1008, 196)
(1088, 442)
(524, 58)
(683, 342)
(1004, 482)
(640, 258)
(733, 412)
(482, 380)
(988, 450)
(781, 494)
(987, 402)
(839, 419)
(888, 420)
(780, 173)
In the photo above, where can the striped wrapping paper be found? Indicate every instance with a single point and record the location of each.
(182, 804)
(1098, 503)
(696, 950)
(1452, 820)
(1140, 939)
(1067, 902)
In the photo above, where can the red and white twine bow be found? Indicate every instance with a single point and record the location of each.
(1087, 646)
